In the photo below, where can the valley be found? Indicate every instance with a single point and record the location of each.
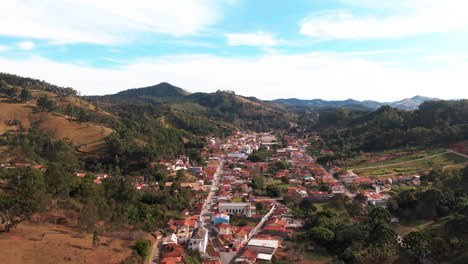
(161, 175)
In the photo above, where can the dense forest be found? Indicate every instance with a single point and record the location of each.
(30, 83)
(433, 123)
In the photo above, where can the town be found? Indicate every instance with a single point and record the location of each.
(241, 214)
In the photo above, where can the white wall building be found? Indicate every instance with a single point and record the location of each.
(236, 208)
(199, 240)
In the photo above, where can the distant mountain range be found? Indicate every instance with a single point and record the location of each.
(405, 104)
(167, 93)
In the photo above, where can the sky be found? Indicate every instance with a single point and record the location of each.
(328, 49)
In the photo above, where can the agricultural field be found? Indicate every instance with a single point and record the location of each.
(439, 161)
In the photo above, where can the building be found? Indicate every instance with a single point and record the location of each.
(223, 229)
(199, 240)
(170, 239)
(220, 218)
(236, 208)
(265, 248)
(183, 234)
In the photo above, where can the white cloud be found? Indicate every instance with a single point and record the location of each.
(105, 21)
(26, 45)
(313, 75)
(404, 18)
(4, 48)
(251, 39)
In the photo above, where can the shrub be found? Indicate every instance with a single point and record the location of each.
(143, 247)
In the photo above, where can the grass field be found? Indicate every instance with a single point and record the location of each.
(59, 245)
(440, 162)
(390, 157)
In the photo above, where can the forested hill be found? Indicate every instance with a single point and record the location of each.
(434, 122)
(204, 113)
(29, 83)
(351, 104)
(155, 93)
(41, 123)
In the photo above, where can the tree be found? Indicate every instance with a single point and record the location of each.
(46, 104)
(273, 191)
(418, 243)
(12, 92)
(360, 198)
(143, 247)
(322, 235)
(279, 165)
(379, 214)
(14, 210)
(58, 180)
(257, 182)
(180, 175)
(382, 241)
(25, 95)
(89, 216)
(96, 240)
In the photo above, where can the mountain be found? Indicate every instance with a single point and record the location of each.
(351, 104)
(160, 90)
(204, 113)
(411, 103)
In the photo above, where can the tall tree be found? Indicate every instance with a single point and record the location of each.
(418, 243)
(14, 210)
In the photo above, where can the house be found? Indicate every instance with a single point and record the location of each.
(237, 155)
(276, 222)
(199, 240)
(248, 256)
(379, 181)
(185, 212)
(375, 198)
(223, 229)
(363, 181)
(319, 196)
(223, 195)
(222, 217)
(170, 239)
(294, 181)
(265, 248)
(172, 254)
(196, 169)
(183, 234)
(337, 189)
(275, 231)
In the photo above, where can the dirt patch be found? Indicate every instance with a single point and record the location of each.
(45, 243)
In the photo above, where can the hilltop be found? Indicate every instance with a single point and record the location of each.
(222, 109)
(319, 104)
(19, 116)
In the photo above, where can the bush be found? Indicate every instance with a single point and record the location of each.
(143, 247)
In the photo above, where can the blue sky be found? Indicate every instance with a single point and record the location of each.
(330, 49)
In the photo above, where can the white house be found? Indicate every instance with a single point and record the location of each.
(199, 240)
(236, 208)
(170, 239)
